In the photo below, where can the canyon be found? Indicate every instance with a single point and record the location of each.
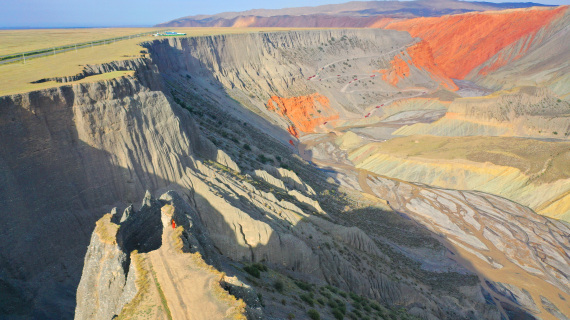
(386, 172)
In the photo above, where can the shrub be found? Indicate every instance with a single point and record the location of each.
(246, 147)
(303, 285)
(263, 159)
(355, 297)
(252, 271)
(314, 314)
(337, 314)
(308, 299)
(340, 306)
(259, 266)
(279, 286)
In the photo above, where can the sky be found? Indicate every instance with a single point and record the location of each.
(135, 13)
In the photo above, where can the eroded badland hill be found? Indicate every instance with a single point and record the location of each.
(413, 171)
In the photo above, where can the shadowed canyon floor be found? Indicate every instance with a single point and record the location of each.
(342, 172)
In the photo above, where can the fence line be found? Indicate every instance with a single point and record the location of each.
(22, 56)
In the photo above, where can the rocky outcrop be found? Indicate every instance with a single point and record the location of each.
(108, 281)
(290, 179)
(152, 243)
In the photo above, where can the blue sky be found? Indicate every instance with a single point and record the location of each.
(113, 13)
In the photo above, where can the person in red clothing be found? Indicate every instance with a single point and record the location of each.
(173, 224)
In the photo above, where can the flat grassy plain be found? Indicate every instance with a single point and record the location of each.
(15, 41)
(17, 77)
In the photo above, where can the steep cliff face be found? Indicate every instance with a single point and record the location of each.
(537, 59)
(458, 48)
(300, 73)
(305, 112)
(418, 56)
(67, 154)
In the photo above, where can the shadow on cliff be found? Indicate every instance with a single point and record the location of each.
(53, 188)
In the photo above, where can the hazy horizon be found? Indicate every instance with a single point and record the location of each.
(25, 14)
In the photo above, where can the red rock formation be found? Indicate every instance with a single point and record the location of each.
(419, 55)
(304, 112)
(293, 131)
(462, 42)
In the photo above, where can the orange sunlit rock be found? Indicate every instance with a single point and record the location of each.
(293, 131)
(462, 42)
(419, 55)
(304, 112)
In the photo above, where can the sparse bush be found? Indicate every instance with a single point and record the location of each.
(255, 269)
(279, 286)
(340, 306)
(261, 267)
(314, 314)
(308, 298)
(252, 271)
(263, 159)
(337, 314)
(246, 147)
(303, 285)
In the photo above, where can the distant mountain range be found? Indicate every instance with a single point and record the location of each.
(350, 14)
